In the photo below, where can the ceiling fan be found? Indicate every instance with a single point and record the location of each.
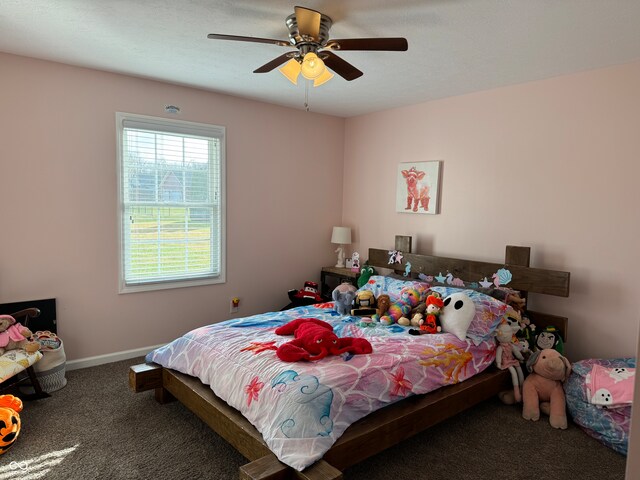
(309, 35)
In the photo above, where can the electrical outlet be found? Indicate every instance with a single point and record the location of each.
(234, 304)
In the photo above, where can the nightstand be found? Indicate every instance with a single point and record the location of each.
(337, 276)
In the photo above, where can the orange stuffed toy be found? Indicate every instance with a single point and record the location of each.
(10, 406)
(314, 340)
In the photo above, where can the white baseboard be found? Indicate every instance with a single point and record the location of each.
(109, 358)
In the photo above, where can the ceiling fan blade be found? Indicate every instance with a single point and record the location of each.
(276, 62)
(340, 66)
(217, 36)
(308, 22)
(380, 44)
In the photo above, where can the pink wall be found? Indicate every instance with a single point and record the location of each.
(633, 454)
(58, 171)
(522, 165)
(551, 164)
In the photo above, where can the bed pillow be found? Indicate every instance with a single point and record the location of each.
(489, 312)
(379, 284)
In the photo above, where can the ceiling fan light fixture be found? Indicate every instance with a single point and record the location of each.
(312, 66)
(324, 78)
(291, 70)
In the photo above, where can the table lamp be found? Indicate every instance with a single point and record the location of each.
(341, 236)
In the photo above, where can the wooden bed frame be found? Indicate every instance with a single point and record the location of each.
(387, 426)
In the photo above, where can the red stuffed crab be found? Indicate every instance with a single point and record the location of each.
(314, 340)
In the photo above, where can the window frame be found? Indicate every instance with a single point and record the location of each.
(179, 127)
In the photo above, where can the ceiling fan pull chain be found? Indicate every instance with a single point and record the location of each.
(306, 95)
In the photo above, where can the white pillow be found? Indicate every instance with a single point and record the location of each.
(457, 313)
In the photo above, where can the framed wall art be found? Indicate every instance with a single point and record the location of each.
(418, 187)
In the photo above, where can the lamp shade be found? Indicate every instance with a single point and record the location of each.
(341, 235)
(312, 66)
(324, 78)
(291, 70)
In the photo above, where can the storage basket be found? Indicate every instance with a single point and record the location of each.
(51, 370)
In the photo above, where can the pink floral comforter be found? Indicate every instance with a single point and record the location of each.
(302, 408)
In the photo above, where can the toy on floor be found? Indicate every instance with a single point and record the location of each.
(10, 407)
(13, 336)
(343, 296)
(314, 340)
(508, 356)
(548, 370)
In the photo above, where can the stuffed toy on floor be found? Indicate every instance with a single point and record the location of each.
(10, 407)
(314, 340)
(543, 390)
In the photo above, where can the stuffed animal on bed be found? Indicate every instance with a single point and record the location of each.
(364, 304)
(365, 275)
(13, 335)
(314, 340)
(10, 407)
(409, 298)
(343, 296)
(429, 322)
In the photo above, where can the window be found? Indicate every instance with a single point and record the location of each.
(171, 203)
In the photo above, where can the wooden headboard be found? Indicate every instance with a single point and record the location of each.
(524, 278)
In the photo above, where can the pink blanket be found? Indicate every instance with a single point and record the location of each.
(610, 387)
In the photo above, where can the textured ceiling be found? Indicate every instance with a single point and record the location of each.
(455, 46)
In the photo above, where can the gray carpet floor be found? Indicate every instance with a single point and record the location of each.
(95, 428)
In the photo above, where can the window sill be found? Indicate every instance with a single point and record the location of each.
(149, 287)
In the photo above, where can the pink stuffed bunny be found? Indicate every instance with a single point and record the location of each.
(548, 370)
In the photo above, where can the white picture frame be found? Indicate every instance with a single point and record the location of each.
(418, 187)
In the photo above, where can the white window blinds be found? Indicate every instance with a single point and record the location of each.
(171, 202)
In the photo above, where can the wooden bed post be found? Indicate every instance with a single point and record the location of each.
(148, 376)
(403, 243)
(520, 256)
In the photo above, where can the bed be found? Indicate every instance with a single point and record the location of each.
(345, 438)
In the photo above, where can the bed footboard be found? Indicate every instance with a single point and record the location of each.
(225, 421)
